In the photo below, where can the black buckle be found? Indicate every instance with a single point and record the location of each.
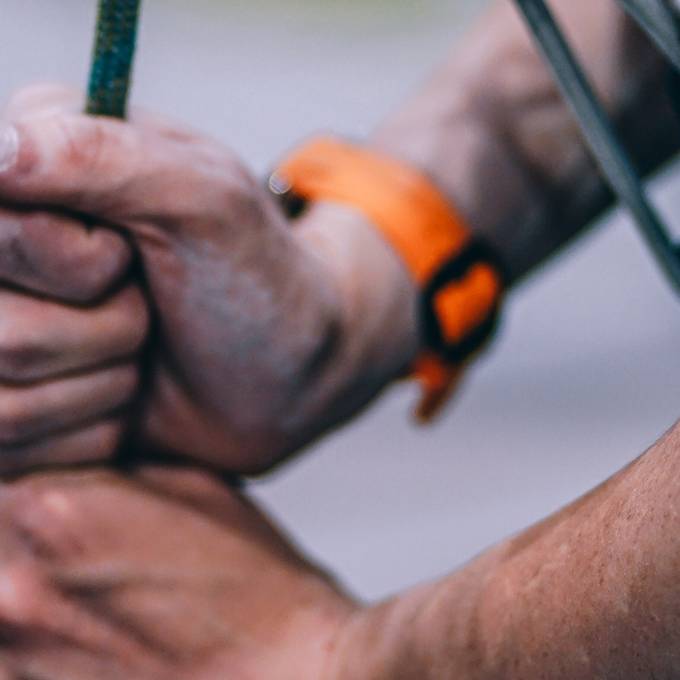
(453, 271)
(292, 205)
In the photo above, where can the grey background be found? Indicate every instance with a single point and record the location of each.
(584, 376)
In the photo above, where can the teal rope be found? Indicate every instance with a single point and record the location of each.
(114, 51)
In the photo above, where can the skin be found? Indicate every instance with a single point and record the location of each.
(588, 593)
(503, 124)
(591, 592)
(268, 332)
(219, 594)
(201, 586)
(247, 309)
(71, 331)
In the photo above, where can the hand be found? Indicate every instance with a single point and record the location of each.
(252, 317)
(70, 332)
(169, 575)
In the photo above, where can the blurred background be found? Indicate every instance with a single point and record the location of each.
(585, 374)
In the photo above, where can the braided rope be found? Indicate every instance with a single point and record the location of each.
(113, 56)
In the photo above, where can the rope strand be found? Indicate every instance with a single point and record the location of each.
(114, 50)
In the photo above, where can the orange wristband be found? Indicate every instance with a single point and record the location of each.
(459, 277)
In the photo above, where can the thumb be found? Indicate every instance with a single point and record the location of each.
(43, 99)
(115, 171)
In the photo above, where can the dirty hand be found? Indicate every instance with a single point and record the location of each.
(167, 575)
(250, 316)
(70, 331)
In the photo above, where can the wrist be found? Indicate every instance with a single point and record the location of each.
(448, 630)
(477, 171)
(377, 302)
(306, 637)
(396, 639)
(457, 280)
(376, 644)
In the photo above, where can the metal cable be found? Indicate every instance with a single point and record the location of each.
(603, 142)
(114, 51)
(656, 18)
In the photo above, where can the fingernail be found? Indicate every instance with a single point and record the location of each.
(9, 146)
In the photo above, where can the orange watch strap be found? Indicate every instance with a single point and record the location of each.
(404, 205)
(420, 225)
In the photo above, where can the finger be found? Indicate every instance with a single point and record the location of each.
(43, 99)
(51, 629)
(48, 99)
(93, 444)
(40, 339)
(119, 172)
(31, 413)
(59, 257)
(52, 658)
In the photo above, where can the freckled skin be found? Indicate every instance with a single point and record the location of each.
(589, 593)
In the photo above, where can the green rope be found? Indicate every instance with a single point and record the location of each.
(114, 51)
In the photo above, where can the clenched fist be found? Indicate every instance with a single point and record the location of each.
(261, 325)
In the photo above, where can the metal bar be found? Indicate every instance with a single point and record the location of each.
(612, 158)
(658, 21)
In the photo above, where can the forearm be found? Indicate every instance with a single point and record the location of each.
(590, 592)
(492, 130)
